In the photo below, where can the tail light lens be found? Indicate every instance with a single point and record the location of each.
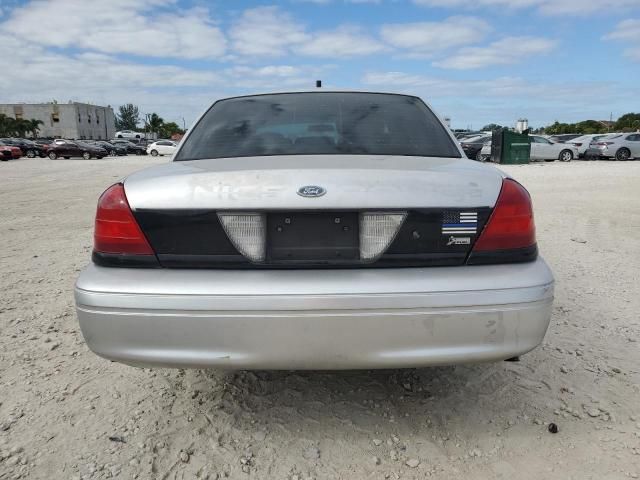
(116, 230)
(511, 224)
(247, 232)
(377, 231)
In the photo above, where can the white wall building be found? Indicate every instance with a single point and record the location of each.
(66, 120)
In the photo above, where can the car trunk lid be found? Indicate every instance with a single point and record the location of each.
(439, 206)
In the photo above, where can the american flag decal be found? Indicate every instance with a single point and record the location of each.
(460, 222)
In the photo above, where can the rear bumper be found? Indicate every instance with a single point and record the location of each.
(321, 319)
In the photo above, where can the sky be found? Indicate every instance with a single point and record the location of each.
(475, 61)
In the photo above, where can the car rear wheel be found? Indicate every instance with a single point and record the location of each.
(154, 153)
(86, 155)
(53, 155)
(112, 153)
(31, 153)
(479, 156)
(623, 154)
(566, 156)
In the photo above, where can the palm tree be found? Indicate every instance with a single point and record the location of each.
(154, 123)
(22, 127)
(7, 126)
(34, 127)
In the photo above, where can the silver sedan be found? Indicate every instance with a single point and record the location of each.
(317, 230)
(625, 146)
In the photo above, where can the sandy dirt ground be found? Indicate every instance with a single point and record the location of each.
(65, 413)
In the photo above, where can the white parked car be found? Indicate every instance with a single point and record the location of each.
(621, 147)
(315, 230)
(582, 143)
(129, 134)
(162, 147)
(543, 149)
(485, 151)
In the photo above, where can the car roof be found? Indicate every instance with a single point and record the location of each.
(317, 90)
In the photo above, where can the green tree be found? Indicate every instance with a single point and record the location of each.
(34, 127)
(10, 127)
(7, 125)
(590, 126)
(169, 129)
(491, 127)
(128, 117)
(22, 127)
(154, 123)
(629, 121)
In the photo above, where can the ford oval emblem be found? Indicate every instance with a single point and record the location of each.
(311, 191)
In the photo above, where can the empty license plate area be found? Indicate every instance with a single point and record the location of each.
(313, 237)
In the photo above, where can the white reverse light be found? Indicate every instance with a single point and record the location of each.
(247, 232)
(377, 231)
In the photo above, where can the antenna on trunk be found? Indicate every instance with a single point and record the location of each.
(318, 83)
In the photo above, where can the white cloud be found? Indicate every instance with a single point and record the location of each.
(427, 38)
(343, 42)
(266, 31)
(547, 7)
(628, 31)
(272, 32)
(506, 86)
(506, 51)
(173, 91)
(504, 99)
(136, 27)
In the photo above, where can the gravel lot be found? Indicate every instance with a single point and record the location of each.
(65, 413)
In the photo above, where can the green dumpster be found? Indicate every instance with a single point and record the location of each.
(510, 147)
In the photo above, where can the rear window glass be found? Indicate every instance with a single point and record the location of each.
(318, 123)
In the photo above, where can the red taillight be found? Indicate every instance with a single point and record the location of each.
(578, 144)
(116, 230)
(511, 224)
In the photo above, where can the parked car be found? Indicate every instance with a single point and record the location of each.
(582, 143)
(285, 235)
(8, 152)
(113, 149)
(543, 149)
(621, 147)
(162, 147)
(129, 134)
(28, 147)
(563, 137)
(68, 149)
(131, 147)
(473, 145)
(593, 152)
(485, 151)
(32, 149)
(95, 150)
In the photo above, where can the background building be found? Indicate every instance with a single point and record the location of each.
(66, 120)
(521, 125)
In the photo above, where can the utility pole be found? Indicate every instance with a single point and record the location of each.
(610, 122)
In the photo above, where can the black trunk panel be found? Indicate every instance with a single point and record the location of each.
(312, 237)
(305, 239)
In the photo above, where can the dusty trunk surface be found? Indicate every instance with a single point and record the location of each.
(65, 413)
